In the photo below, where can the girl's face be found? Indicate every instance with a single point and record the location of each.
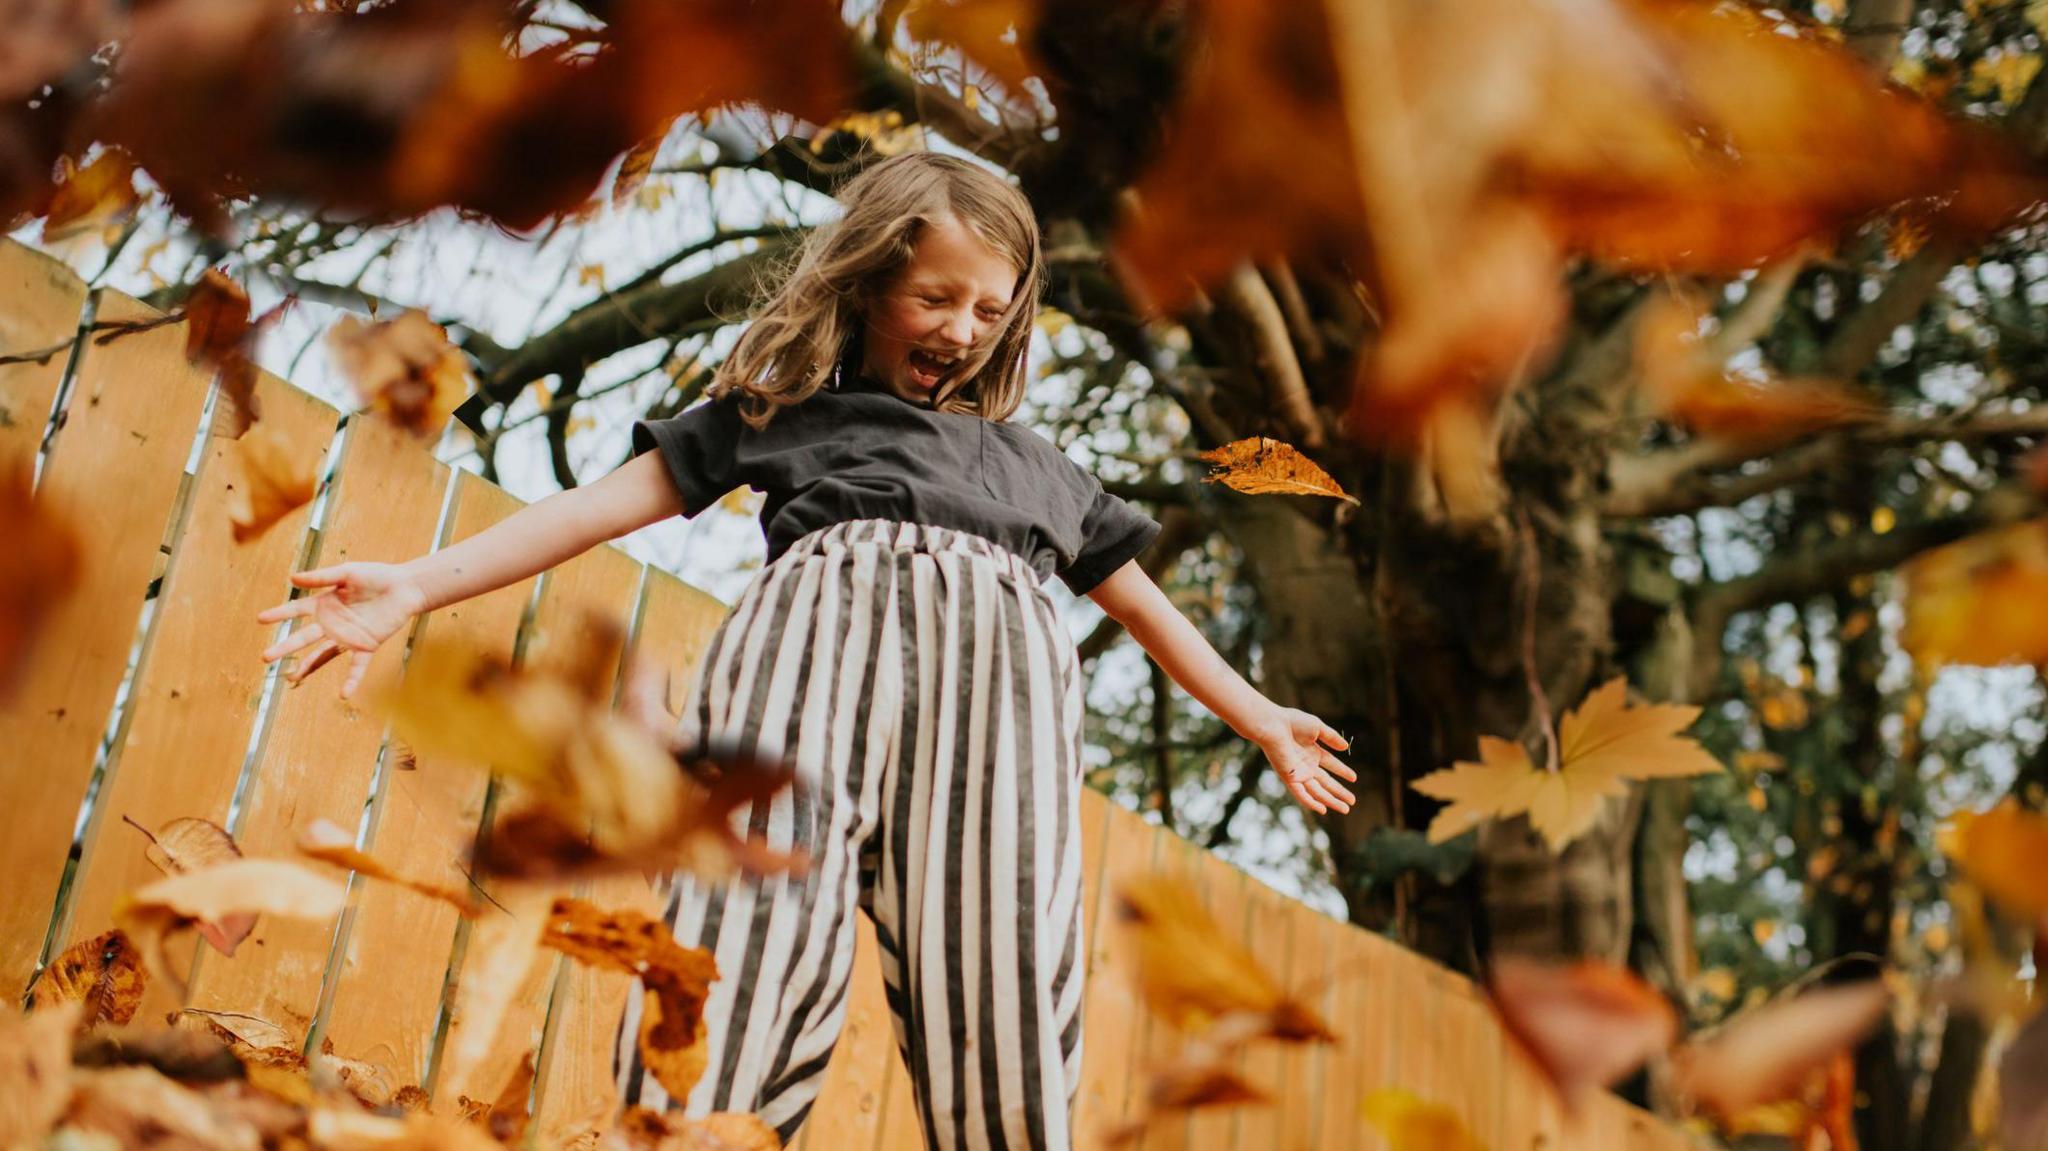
(953, 289)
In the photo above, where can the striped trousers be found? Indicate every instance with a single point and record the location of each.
(930, 700)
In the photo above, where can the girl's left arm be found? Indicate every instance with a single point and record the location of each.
(1296, 743)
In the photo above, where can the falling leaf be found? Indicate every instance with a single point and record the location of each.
(404, 368)
(1182, 1087)
(38, 569)
(46, 39)
(191, 844)
(1602, 744)
(92, 197)
(35, 1071)
(104, 973)
(1411, 1124)
(504, 954)
(996, 33)
(328, 842)
(224, 892)
(1587, 1025)
(1193, 977)
(1263, 466)
(634, 168)
(274, 479)
(2004, 851)
(1678, 376)
(1980, 601)
(2023, 1087)
(218, 334)
(1766, 1054)
(141, 1107)
(504, 1117)
(676, 981)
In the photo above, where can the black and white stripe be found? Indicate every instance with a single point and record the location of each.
(930, 699)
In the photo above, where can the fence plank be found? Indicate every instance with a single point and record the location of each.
(1215, 1128)
(44, 300)
(600, 585)
(394, 959)
(575, 1083)
(318, 753)
(114, 474)
(193, 706)
(1113, 1016)
(1269, 931)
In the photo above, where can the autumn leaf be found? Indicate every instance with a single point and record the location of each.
(642, 1129)
(333, 1128)
(404, 368)
(90, 198)
(2004, 851)
(675, 980)
(637, 164)
(103, 973)
(1411, 1124)
(276, 479)
(1679, 376)
(1768, 1053)
(35, 1071)
(1587, 1025)
(1264, 466)
(1195, 978)
(504, 1117)
(252, 1038)
(191, 844)
(328, 842)
(504, 952)
(1980, 601)
(223, 892)
(38, 569)
(1602, 744)
(996, 33)
(1183, 1086)
(218, 333)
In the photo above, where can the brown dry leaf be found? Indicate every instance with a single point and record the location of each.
(504, 952)
(996, 33)
(677, 980)
(1264, 466)
(103, 973)
(191, 844)
(218, 333)
(252, 1038)
(634, 169)
(274, 480)
(35, 1071)
(368, 1083)
(640, 1129)
(329, 842)
(47, 38)
(2004, 851)
(141, 1107)
(1587, 1025)
(1184, 1086)
(404, 368)
(1602, 744)
(1195, 978)
(1408, 1123)
(1768, 1054)
(1980, 601)
(222, 893)
(1711, 401)
(93, 197)
(505, 1117)
(38, 569)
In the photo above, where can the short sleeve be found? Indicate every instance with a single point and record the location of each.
(1113, 533)
(700, 448)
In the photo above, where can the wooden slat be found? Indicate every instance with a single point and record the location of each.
(114, 475)
(852, 1101)
(601, 584)
(394, 960)
(1161, 1044)
(1228, 889)
(40, 302)
(575, 1072)
(1269, 929)
(194, 704)
(1113, 1015)
(319, 752)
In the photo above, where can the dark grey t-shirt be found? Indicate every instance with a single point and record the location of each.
(859, 452)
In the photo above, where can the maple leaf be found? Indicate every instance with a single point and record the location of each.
(1587, 1025)
(504, 952)
(104, 973)
(1262, 466)
(1602, 744)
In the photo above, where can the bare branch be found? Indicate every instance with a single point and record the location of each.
(1247, 296)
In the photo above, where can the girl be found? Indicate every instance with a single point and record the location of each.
(898, 647)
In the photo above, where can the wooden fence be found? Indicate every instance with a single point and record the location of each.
(147, 701)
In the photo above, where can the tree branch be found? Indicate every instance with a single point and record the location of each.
(1247, 296)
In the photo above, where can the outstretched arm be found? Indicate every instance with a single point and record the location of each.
(1298, 745)
(360, 605)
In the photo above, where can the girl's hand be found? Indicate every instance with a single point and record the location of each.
(1298, 745)
(359, 606)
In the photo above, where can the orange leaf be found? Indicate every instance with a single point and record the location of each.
(1183, 1086)
(1587, 1025)
(277, 479)
(328, 842)
(104, 973)
(1709, 400)
(1195, 978)
(1602, 744)
(1766, 1054)
(38, 567)
(1264, 466)
(404, 368)
(2004, 851)
(218, 333)
(676, 979)
(1982, 600)
(92, 197)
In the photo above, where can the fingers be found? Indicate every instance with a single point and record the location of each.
(314, 661)
(1299, 789)
(290, 609)
(358, 667)
(320, 577)
(1336, 767)
(1337, 790)
(1329, 736)
(299, 640)
(1333, 795)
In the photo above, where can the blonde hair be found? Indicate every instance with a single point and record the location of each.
(817, 313)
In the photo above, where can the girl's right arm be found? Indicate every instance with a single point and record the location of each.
(360, 605)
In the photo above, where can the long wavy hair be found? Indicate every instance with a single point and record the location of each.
(814, 316)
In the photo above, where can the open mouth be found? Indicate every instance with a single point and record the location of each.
(928, 368)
